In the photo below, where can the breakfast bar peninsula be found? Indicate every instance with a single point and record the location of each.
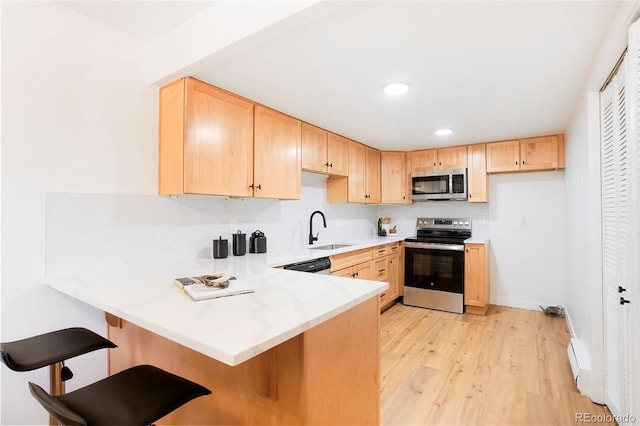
(302, 349)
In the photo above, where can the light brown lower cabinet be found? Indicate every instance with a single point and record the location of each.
(380, 263)
(394, 266)
(476, 278)
(300, 381)
(353, 264)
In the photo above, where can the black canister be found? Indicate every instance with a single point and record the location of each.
(239, 241)
(257, 242)
(220, 248)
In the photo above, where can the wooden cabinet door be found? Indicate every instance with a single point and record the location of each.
(338, 155)
(218, 144)
(476, 284)
(364, 271)
(345, 272)
(372, 175)
(539, 153)
(314, 148)
(393, 278)
(503, 156)
(477, 174)
(454, 157)
(394, 177)
(357, 167)
(393, 271)
(277, 155)
(424, 160)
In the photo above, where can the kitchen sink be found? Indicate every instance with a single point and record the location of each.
(331, 246)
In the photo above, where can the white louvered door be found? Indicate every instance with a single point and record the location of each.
(632, 310)
(619, 161)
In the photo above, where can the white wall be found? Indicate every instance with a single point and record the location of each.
(78, 117)
(527, 239)
(583, 292)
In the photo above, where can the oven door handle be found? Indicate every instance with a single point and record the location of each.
(435, 246)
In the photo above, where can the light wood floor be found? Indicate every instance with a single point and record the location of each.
(509, 367)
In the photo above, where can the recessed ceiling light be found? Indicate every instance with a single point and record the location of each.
(443, 132)
(396, 88)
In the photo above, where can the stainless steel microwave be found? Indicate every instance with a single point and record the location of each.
(439, 185)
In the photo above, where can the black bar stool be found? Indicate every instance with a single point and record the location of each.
(52, 349)
(137, 396)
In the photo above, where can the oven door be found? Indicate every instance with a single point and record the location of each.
(434, 266)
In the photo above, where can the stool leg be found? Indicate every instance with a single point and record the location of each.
(56, 386)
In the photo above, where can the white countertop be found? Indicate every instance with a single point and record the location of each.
(476, 240)
(230, 329)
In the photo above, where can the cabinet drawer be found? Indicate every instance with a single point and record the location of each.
(380, 272)
(379, 251)
(344, 260)
(393, 248)
(384, 298)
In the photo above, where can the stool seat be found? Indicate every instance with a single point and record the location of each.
(137, 396)
(46, 349)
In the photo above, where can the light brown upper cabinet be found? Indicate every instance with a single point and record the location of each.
(424, 160)
(503, 156)
(212, 142)
(540, 153)
(324, 152)
(314, 148)
(205, 143)
(394, 177)
(454, 157)
(477, 177)
(372, 176)
(356, 182)
(363, 183)
(277, 150)
(337, 155)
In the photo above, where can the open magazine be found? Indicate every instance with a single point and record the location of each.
(195, 288)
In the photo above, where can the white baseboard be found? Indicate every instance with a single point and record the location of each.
(522, 304)
(580, 366)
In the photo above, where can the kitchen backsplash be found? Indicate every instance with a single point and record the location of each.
(94, 232)
(404, 216)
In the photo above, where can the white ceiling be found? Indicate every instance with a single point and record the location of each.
(489, 70)
(147, 20)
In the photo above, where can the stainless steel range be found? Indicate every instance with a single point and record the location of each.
(434, 264)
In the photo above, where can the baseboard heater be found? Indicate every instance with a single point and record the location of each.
(580, 366)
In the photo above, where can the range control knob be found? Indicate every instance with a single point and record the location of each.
(466, 223)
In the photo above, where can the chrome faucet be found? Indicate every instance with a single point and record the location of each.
(324, 222)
